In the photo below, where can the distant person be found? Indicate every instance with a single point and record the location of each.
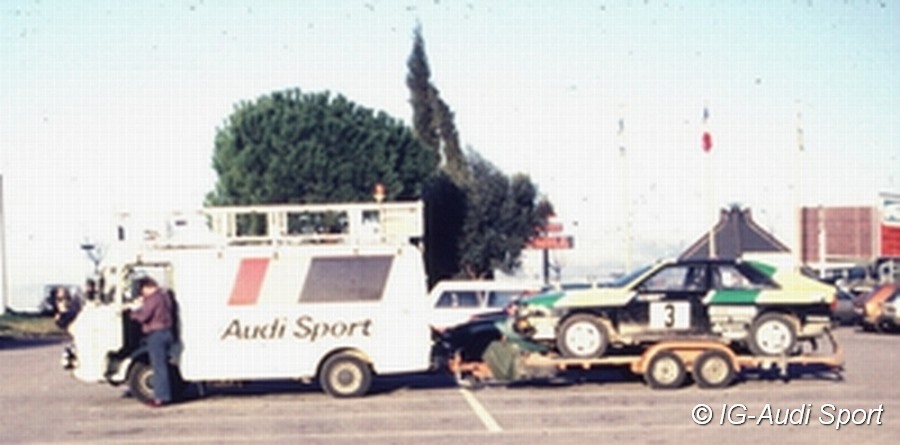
(65, 307)
(90, 290)
(155, 314)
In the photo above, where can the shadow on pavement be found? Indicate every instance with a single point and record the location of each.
(380, 385)
(7, 343)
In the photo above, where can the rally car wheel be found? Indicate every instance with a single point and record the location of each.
(713, 369)
(140, 382)
(582, 336)
(772, 334)
(345, 375)
(665, 371)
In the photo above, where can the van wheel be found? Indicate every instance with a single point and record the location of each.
(345, 375)
(713, 369)
(772, 334)
(665, 371)
(140, 382)
(582, 336)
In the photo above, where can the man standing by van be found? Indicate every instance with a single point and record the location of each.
(156, 318)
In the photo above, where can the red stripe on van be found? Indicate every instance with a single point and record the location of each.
(248, 282)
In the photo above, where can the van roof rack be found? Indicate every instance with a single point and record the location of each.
(391, 223)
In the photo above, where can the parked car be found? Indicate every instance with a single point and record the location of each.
(757, 305)
(870, 306)
(457, 301)
(890, 319)
(843, 311)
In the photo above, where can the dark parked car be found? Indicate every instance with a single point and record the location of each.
(843, 311)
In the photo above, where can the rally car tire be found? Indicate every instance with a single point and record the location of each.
(772, 334)
(345, 375)
(713, 369)
(665, 371)
(582, 336)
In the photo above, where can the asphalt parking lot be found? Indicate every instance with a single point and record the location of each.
(40, 403)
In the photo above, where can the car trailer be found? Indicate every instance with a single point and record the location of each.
(663, 365)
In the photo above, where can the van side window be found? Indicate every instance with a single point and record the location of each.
(346, 279)
(459, 298)
(468, 299)
(446, 300)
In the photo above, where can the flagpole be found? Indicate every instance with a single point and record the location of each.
(798, 190)
(4, 288)
(626, 193)
(711, 205)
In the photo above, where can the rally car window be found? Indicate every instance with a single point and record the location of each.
(728, 277)
(676, 278)
(754, 277)
(346, 279)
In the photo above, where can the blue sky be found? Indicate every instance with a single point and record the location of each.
(113, 106)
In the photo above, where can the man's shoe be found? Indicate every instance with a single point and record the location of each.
(156, 404)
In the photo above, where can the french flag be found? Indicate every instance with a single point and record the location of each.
(707, 136)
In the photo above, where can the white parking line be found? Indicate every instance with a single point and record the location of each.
(486, 418)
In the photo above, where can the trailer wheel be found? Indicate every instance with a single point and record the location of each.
(665, 371)
(713, 369)
(140, 382)
(772, 334)
(345, 375)
(582, 336)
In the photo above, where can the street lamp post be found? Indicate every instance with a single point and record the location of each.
(94, 253)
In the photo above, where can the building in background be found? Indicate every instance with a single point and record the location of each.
(835, 238)
(735, 235)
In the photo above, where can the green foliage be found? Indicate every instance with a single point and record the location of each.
(502, 214)
(433, 121)
(290, 147)
(477, 219)
(421, 93)
(28, 326)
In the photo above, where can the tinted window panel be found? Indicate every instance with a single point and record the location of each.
(670, 278)
(677, 278)
(446, 300)
(755, 278)
(467, 299)
(343, 279)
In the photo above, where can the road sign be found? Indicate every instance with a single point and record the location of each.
(552, 227)
(552, 242)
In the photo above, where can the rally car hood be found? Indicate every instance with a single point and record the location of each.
(600, 296)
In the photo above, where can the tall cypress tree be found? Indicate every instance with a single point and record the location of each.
(476, 218)
(418, 80)
(433, 121)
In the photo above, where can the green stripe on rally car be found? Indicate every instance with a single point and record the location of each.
(734, 296)
(546, 300)
(763, 267)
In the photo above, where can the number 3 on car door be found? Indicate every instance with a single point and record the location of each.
(670, 315)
